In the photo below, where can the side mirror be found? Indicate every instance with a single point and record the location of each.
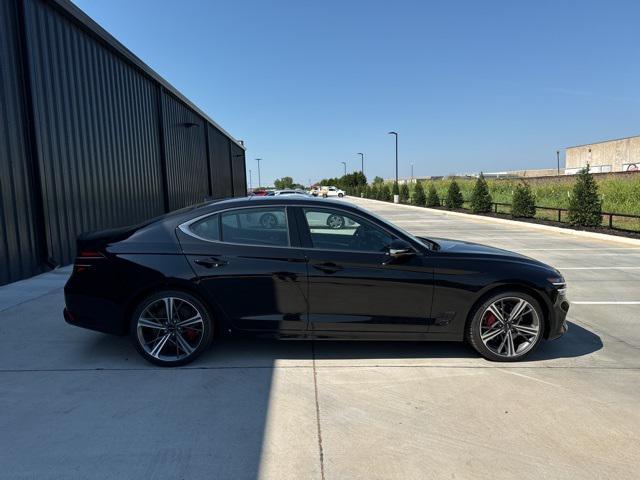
(399, 249)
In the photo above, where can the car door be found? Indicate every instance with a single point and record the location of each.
(353, 285)
(244, 260)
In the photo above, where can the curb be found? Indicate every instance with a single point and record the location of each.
(534, 226)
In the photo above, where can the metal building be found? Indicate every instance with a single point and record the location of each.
(620, 155)
(92, 138)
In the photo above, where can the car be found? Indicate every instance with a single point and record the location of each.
(290, 192)
(277, 267)
(314, 191)
(331, 192)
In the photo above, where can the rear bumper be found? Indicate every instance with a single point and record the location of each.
(93, 314)
(558, 318)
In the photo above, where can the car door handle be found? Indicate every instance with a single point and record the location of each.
(210, 262)
(328, 267)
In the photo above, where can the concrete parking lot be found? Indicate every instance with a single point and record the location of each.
(79, 404)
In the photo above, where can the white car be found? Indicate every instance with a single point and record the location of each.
(331, 192)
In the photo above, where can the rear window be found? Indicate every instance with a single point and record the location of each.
(208, 228)
(256, 226)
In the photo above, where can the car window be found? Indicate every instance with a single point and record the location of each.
(207, 228)
(336, 230)
(256, 226)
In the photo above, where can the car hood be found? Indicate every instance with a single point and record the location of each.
(459, 247)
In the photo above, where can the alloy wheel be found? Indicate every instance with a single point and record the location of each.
(510, 327)
(170, 329)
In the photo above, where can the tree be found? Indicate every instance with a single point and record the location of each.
(385, 193)
(481, 200)
(418, 195)
(378, 180)
(404, 193)
(283, 183)
(585, 207)
(454, 198)
(524, 202)
(433, 200)
(367, 191)
(395, 190)
(374, 192)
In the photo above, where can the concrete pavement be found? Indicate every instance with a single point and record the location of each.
(78, 404)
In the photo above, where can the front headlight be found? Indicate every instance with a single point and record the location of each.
(560, 284)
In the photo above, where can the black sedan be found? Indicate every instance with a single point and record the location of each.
(304, 268)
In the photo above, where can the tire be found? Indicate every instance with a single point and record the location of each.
(499, 338)
(324, 195)
(268, 220)
(340, 195)
(149, 329)
(335, 222)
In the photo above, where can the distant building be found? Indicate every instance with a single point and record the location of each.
(621, 155)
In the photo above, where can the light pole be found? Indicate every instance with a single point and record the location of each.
(345, 167)
(411, 172)
(250, 186)
(558, 158)
(396, 135)
(259, 182)
(361, 162)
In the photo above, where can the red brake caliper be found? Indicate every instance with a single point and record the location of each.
(190, 333)
(489, 319)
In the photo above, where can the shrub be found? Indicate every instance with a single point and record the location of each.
(374, 192)
(585, 207)
(395, 190)
(481, 200)
(385, 193)
(524, 202)
(433, 200)
(404, 193)
(454, 198)
(418, 195)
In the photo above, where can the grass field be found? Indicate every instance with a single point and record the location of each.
(619, 195)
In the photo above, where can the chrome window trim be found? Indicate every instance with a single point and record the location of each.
(184, 227)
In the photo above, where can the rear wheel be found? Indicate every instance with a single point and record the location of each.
(506, 327)
(171, 328)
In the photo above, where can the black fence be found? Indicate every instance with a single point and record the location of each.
(615, 221)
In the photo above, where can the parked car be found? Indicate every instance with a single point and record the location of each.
(314, 191)
(290, 192)
(331, 192)
(277, 267)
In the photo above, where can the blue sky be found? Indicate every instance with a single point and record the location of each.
(469, 85)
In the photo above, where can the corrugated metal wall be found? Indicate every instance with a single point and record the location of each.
(238, 171)
(94, 139)
(186, 154)
(18, 241)
(220, 162)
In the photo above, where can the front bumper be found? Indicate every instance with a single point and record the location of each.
(558, 318)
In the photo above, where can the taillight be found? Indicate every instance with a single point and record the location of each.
(90, 254)
(80, 264)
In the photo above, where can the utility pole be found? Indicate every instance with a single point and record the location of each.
(396, 135)
(259, 182)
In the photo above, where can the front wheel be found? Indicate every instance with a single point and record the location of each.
(171, 328)
(506, 327)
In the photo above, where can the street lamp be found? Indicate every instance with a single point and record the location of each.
(362, 162)
(396, 135)
(259, 182)
(412, 172)
(558, 158)
(345, 167)
(250, 186)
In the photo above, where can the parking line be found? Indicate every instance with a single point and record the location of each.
(598, 268)
(605, 303)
